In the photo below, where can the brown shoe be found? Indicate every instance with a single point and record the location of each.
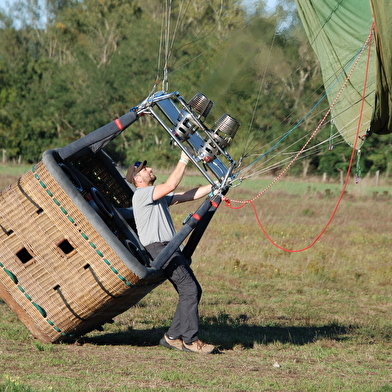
(199, 347)
(174, 344)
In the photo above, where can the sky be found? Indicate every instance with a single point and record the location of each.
(5, 3)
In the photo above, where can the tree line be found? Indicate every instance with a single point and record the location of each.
(67, 67)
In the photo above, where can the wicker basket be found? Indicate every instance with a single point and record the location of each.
(64, 270)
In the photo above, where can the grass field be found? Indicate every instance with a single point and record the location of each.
(316, 320)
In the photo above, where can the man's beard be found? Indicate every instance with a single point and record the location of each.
(152, 180)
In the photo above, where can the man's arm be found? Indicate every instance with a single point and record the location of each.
(174, 179)
(193, 194)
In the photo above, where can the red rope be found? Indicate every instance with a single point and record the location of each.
(228, 201)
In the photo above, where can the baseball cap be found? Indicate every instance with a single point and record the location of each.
(134, 170)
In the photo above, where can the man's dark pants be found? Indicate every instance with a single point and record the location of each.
(185, 323)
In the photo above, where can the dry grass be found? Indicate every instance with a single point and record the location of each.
(284, 321)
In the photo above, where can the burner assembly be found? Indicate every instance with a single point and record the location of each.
(186, 124)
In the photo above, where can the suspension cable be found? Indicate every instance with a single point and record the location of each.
(260, 88)
(367, 44)
(243, 203)
(353, 63)
(165, 83)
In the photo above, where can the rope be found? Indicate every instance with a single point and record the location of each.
(169, 43)
(367, 44)
(228, 201)
(353, 64)
(260, 89)
(165, 83)
(245, 151)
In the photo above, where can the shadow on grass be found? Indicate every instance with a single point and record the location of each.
(226, 336)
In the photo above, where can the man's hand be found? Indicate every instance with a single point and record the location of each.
(184, 158)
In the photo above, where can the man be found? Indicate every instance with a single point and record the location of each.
(155, 229)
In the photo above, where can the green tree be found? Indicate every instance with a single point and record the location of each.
(67, 67)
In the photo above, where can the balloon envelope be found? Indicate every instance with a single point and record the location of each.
(338, 31)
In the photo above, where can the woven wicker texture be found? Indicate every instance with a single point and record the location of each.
(56, 270)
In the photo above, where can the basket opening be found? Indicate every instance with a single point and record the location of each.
(66, 246)
(24, 255)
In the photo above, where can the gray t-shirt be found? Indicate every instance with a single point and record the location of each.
(152, 218)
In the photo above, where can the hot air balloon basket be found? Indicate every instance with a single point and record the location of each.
(60, 273)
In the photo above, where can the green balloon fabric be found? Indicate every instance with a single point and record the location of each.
(338, 32)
